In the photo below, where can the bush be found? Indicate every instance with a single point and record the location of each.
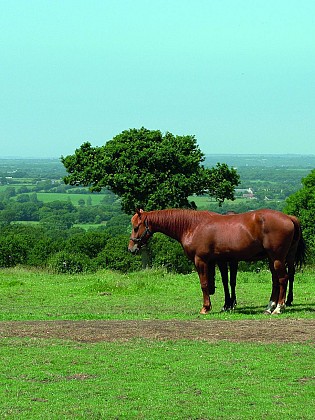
(168, 253)
(12, 252)
(253, 266)
(89, 243)
(15, 243)
(115, 255)
(65, 262)
(41, 251)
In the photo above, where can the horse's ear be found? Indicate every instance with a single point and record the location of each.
(139, 212)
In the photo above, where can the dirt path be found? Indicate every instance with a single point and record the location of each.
(271, 330)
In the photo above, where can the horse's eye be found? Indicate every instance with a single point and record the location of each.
(136, 229)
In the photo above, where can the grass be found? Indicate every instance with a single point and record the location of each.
(144, 379)
(32, 295)
(74, 198)
(149, 379)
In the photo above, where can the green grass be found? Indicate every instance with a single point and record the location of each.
(74, 198)
(143, 379)
(149, 379)
(31, 295)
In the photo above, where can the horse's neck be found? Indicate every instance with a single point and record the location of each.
(170, 225)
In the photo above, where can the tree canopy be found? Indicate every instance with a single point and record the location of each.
(150, 170)
(302, 205)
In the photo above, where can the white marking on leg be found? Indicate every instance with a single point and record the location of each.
(279, 309)
(270, 307)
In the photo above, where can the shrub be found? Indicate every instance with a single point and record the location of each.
(168, 253)
(89, 243)
(12, 252)
(41, 252)
(115, 255)
(65, 262)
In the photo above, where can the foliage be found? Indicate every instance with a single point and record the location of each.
(70, 262)
(40, 252)
(12, 252)
(302, 205)
(150, 170)
(58, 212)
(49, 209)
(115, 256)
(221, 181)
(89, 243)
(167, 253)
(15, 244)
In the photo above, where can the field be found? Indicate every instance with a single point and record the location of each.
(95, 199)
(113, 346)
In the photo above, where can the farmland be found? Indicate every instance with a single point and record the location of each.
(271, 176)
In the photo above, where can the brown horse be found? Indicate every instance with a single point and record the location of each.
(209, 238)
(292, 264)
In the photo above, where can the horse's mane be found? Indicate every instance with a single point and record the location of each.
(177, 219)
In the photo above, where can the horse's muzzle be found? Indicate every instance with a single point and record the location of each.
(134, 248)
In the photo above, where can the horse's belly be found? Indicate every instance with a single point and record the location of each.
(238, 250)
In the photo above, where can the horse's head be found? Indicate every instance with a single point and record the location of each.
(141, 232)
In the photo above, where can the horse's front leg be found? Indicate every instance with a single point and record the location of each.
(274, 292)
(283, 282)
(206, 277)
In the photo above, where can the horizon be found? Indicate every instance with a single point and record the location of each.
(205, 154)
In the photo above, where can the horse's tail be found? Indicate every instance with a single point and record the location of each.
(301, 250)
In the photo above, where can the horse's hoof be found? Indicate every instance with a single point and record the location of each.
(227, 308)
(279, 309)
(270, 308)
(205, 310)
(288, 303)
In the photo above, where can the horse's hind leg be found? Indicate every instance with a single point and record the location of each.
(233, 275)
(211, 278)
(223, 267)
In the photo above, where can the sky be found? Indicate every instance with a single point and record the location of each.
(239, 75)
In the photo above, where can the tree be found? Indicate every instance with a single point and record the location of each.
(302, 205)
(150, 170)
(220, 182)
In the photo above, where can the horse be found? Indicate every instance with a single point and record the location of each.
(296, 261)
(209, 238)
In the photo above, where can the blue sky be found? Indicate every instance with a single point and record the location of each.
(237, 74)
